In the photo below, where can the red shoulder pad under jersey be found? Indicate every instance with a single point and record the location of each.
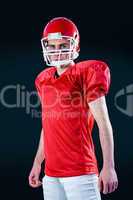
(41, 77)
(96, 79)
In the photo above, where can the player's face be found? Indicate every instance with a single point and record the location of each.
(58, 48)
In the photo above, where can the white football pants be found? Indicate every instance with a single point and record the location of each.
(83, 187)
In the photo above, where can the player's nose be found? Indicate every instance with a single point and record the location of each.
(57, 47)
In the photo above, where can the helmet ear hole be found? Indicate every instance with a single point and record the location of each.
(76, 36)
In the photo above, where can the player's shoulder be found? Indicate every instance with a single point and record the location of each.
(46, 73)
(91, 65)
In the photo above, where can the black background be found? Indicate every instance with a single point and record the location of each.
(106, 30)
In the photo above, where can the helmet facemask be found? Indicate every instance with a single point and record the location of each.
(64, 55)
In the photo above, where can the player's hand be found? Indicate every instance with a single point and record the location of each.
(34, 176)
(108, 181)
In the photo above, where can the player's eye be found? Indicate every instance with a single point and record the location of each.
(50, 47)
(64, 46)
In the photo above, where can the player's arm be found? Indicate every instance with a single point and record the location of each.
(40, 151)
(34, 180)
(108, 175)
(99, 110)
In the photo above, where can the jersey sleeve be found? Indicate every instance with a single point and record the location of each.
(38, 87)
(96, 81)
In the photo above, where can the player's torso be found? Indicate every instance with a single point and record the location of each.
(64, 119)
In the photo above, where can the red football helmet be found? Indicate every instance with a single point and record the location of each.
(61, 28)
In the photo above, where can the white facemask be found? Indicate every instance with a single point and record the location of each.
(71, 53)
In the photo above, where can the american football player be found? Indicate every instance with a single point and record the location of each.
(72, 95)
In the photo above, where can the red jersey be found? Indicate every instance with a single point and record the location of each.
(66, 118)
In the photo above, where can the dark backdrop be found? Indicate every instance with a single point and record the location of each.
(106, 30)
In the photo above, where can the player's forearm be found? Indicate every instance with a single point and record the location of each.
(100, 113)
(107, 144)
(40, 152)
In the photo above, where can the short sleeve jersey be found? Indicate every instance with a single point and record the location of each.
(66, 118)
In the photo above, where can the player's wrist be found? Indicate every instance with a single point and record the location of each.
(108, 165)
(37, 161)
